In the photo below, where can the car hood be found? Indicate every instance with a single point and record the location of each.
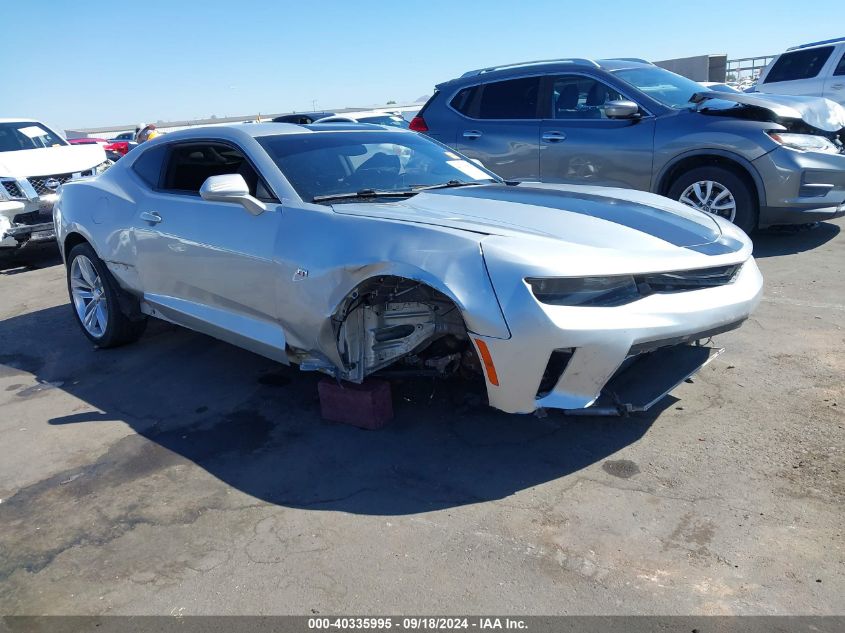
(46, 161)
(588, 216)
(818, 112)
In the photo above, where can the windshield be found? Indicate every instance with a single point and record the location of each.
(27, 135)
(661, 85)
(330, 163)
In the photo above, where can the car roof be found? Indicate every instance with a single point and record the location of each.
(18, 120)
(835, 40)
(237, 131)
(546, 66)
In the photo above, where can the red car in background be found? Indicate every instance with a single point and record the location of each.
(114, 149)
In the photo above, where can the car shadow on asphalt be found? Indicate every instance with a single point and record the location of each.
(256, 425)
(790, 240)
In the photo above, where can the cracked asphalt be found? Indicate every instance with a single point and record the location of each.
(181, 475)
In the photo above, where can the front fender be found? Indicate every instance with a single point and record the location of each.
(327, 255)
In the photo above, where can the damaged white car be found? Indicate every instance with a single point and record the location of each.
(34, 162)
(358, 249)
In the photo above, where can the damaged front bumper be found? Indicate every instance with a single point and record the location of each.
(611, 359)
(801, 187)
(24, 222)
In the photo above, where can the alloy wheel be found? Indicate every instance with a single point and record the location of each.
(711, 197)
(89, 296)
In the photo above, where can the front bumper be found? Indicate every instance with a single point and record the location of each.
(801, 187)
(599, 341)
(22, 223)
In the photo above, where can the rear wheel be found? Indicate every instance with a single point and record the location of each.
(96, 300)
(718, 191)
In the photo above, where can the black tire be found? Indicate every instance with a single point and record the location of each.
(120, 329)
(743, 195)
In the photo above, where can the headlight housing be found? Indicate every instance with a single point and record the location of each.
(805, 142)
(585, 291)
(99, 169)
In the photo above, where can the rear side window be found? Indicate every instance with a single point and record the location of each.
(512, 99)
(801, 64)
(148, 165)
(464, 101)
(840, 67)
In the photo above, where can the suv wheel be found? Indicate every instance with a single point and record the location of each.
(95, 298)
(718, 191)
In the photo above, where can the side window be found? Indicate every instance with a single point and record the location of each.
(800, 64)
(840, 67)
(148, 165)
(512, 99)
(575, 97)
(465, 100)
(190, 165)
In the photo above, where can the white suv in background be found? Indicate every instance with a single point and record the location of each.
(34, 162)
(815, 70)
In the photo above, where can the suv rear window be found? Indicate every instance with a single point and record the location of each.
(801, 64)
(512, 99)
(464, 100)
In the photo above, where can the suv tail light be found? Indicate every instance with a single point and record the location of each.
(418, 124)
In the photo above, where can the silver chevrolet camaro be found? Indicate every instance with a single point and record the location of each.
(357, 249)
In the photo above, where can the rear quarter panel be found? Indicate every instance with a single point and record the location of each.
(101, 210)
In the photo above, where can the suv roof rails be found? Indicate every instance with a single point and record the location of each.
(811, 44)
(630, 59)
(565, 60)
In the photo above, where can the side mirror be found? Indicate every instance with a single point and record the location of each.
(231, 188)
(621, 109)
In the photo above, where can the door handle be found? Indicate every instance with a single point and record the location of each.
(471, 134)
(151, 216)
(838, 86)
(554, 137)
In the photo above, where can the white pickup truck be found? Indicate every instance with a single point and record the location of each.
(34, 162)
(816, 69)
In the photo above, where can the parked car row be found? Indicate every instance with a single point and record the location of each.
(572, 231)
(354, 249)
(115, 149)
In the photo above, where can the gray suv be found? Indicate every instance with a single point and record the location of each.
(757, 160)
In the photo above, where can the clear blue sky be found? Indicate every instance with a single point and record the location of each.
(84, 63)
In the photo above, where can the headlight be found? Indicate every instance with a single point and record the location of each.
(99, 169)
(585, 291)
(805, 142)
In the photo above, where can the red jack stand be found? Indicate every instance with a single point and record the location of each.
(368, 406)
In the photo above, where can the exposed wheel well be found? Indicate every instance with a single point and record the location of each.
(72, 240)
(705, 160)
(388, 318)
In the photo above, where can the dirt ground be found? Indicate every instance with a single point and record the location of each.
(181, 475)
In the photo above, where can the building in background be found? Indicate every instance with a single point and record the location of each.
(699, 67)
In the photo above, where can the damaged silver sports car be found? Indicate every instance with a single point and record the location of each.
(356, 249)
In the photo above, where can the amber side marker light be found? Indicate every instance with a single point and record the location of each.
(488, 362)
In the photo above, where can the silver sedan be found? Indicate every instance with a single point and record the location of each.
(353, 249)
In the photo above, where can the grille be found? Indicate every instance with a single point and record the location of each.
(38, 183)
(687, 279)
(32, 218)
(12, 189)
